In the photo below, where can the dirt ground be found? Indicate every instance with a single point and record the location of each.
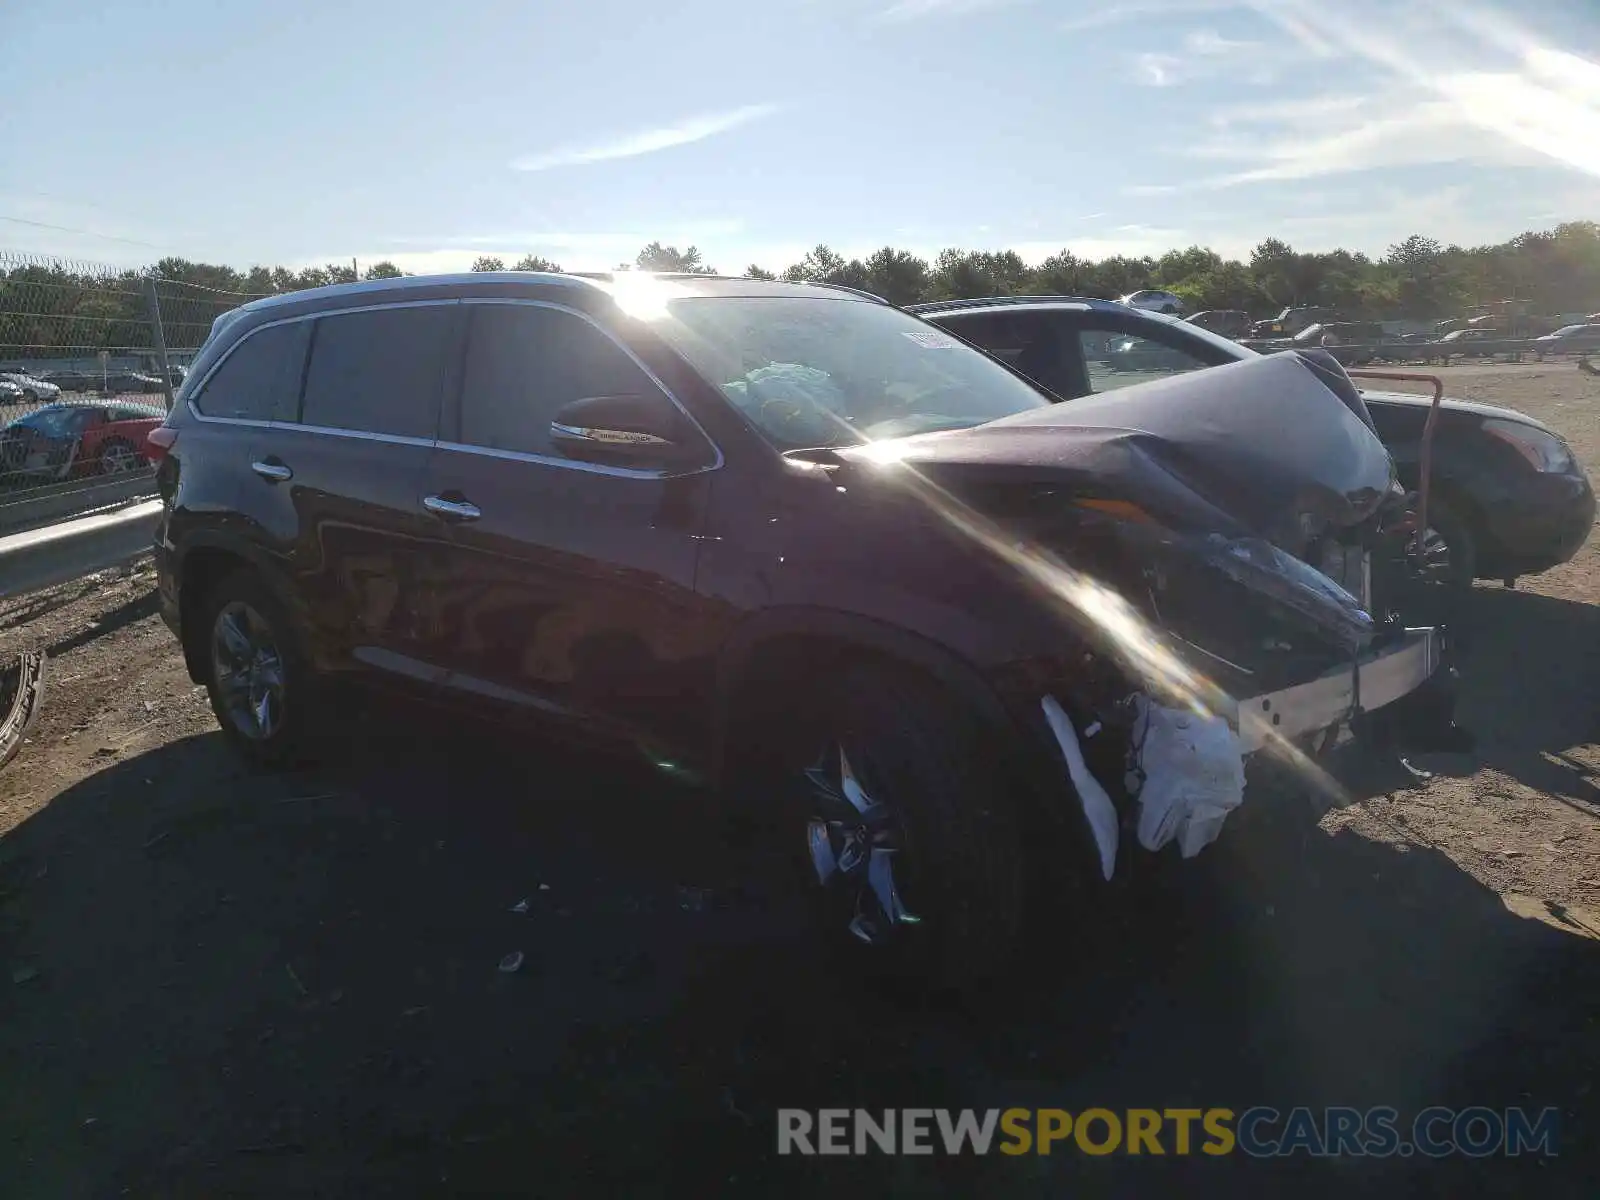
(220, 983)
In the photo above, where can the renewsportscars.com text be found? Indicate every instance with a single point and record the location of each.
(1258, 1132)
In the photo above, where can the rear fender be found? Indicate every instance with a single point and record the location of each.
(207, 544)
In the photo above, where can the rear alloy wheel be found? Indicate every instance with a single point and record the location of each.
(256, 673)
(910, 836)
(118, 457)
(248, 669)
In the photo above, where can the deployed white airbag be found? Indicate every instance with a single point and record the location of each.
(1097, 806)
(1193, 770)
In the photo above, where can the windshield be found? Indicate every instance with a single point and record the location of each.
(812, 371)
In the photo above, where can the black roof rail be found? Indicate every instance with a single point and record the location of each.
(986, 301)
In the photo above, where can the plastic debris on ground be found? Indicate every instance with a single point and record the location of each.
(1193, 769)
(1097, 804)
(511, 963)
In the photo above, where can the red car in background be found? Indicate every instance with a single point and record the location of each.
(70, 441)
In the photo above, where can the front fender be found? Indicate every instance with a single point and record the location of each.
(974, 686)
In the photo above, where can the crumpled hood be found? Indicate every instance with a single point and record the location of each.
(1242, 449)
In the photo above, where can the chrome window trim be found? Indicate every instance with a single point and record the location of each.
(200, 385)
(360, 435)
(592, 468)
(569, 464)
(462, 447)
(200, 388)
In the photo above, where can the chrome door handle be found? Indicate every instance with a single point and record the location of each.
(455, 510)
(276, 472)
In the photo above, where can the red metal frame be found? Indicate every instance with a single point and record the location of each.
(1426, 464)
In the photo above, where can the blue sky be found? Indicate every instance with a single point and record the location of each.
(430, 133)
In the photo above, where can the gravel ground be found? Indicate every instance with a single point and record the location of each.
(219, 983)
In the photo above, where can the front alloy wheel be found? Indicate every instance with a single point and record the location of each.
(913, 856)
(1449, 551)
(854, 844)
(249, 672)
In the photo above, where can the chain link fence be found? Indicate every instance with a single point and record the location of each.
(90, 359)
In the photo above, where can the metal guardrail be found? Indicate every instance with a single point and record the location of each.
(67, 550)
(43, 506)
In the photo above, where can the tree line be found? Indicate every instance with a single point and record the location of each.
(45, 306)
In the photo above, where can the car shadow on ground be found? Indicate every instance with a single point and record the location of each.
(1538, 662)
(1529, 665)
(239, 983)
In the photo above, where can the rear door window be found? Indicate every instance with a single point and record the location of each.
(1031, 342)
(260, 379)
(378, 371)
(524, 362)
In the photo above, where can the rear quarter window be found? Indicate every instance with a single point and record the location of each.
(378, 371)
(259, 380)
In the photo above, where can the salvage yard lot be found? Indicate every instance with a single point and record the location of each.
(222, 983)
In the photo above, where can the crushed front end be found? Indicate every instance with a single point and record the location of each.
(1221, 546)
(1228, 649)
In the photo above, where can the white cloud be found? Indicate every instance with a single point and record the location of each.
(692, 129)
(1483, 70)
(1157, 70)
(1407, 132)
(1132, 10)
(1211, 44)
(1487, 92)
(1207, 54)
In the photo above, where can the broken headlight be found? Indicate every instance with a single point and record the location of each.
(1263, 568)
(1286, 582)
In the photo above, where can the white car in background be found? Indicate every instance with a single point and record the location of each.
(1154, 301)
(36, 390)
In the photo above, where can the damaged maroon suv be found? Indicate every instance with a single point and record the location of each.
(932, 629)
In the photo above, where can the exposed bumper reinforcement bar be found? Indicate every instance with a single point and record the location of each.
(1372, 682)
(1193, 763)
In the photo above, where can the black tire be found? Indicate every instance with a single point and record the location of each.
(958, 861)
(1460, 546)
(289, 739)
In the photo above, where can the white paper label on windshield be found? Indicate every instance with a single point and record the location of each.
(929, 340)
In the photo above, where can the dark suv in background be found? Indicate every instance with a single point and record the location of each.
(866, 578)
(1509, 496)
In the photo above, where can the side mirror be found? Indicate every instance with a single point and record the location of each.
(646, 432)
